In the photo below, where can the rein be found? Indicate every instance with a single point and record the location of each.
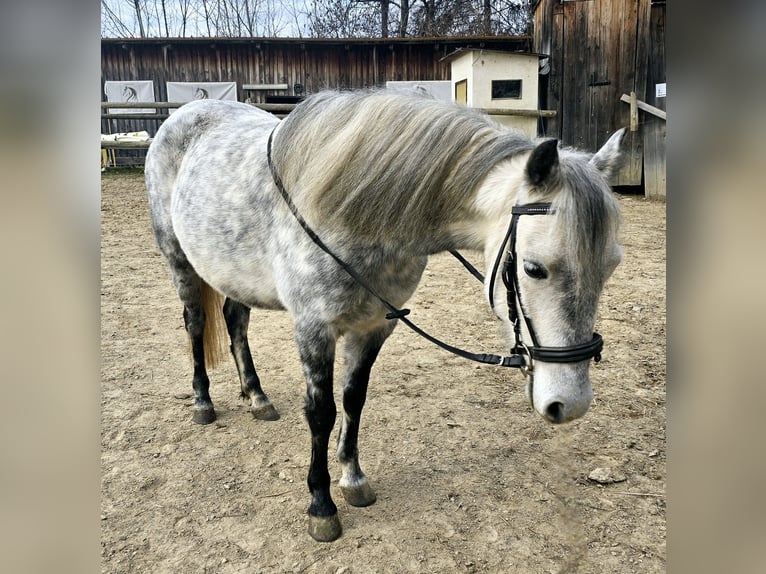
(517, 358)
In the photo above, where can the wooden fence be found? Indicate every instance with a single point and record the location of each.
(279, 110)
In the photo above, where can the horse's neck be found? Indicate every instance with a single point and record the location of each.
(492, 203)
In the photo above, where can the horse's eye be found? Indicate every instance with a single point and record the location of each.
(535, 270)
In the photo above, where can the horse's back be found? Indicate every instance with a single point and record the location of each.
(205, 170)
(198, 127)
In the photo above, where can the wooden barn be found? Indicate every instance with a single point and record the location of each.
(274, 70)
(271, 71)
(601, 51)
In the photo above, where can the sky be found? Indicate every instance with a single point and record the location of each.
(284, 18)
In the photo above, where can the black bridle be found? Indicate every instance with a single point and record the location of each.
(522, 356)
(510, 277)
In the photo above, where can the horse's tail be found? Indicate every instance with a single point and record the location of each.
(215, 335)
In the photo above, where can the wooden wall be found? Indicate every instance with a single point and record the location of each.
(316, 64)
(600, 49)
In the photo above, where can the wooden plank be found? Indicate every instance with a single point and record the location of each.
(555, 82)
(631, 78)
(605, 67)
(582, 77)
(525, 113)
(134, 117)
(655, 129)
(633, 100)
(274, 108)
(576, 99)
(593, 73)
(662, 114)
(265, 86)
(569, 65)
(655, 159)
(128, 105)
(656, 57)
(125, 144)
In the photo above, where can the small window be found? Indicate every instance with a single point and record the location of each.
(506, 89)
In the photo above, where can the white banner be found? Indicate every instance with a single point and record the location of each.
(188, 91)
(130, 91)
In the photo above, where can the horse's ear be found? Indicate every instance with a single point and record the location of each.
(542, 161)
(609, 158)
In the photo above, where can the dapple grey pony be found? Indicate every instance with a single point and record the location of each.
(384, 180)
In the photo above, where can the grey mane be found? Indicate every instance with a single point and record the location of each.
(379, 164)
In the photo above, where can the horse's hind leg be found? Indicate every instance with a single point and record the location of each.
(194, 320)
(190, 289)
(361, 350)
(237, 318)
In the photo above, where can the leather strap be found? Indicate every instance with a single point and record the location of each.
(516, 361)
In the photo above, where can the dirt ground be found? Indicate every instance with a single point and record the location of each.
(468, 478)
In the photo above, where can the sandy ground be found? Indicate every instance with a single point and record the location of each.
(468, 478)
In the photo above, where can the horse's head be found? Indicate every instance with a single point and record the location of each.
(561, 254)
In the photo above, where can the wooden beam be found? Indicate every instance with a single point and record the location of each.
(125, 144)
(528, 113)
(164, 105)
(264, 86)
(646, 107)
(128, 105)
(275, 108)
(633, 112)
(134, 116)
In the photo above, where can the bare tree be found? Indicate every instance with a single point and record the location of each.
(511, 17)
(183, 6)
(404, 17)
(464, 17)
(384, 6)
(317, 18)
(384, 14)
(112, 22)
(165, 18)
(139, 17)
(343, 19)
(297, 14)
(273, 17)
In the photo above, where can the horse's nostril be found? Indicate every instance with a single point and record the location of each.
(555, 412)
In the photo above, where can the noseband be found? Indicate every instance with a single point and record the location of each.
(510, 277)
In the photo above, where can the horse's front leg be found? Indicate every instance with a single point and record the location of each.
(361, 350)
(316, 346)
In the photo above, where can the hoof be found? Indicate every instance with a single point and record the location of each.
(359, 495)
(325, 528)
(264, 412)
(203, 416)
